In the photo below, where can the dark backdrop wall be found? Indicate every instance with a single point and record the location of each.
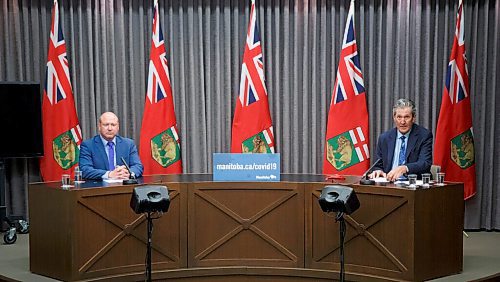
(404, 48)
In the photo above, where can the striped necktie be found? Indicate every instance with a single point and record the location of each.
(402, 151)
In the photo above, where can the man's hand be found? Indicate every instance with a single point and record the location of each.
(394, 174)
(376, 174)
(120, 172)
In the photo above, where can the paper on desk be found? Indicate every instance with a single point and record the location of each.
(418, 183)
(380, 180)
(111, 180)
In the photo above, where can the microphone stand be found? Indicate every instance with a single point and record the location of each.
(149, 245)
(342, 230)
(132, 179)
(364, 179)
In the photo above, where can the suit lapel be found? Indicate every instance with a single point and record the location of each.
(412, 140)
(119, 150)
(390, 148)
(101, 150)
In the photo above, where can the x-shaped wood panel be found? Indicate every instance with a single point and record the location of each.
(246, 224)
(362, 229)
(126, 229)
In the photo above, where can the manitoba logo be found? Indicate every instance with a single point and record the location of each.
(65, 149)
(165, 148)
(347, 149)
(462, 149)
(259, 143)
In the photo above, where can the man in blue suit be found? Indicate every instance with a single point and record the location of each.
(101, 156)
(405, 149)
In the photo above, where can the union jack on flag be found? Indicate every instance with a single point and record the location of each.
(457, 77)
(252, 84)
(158, 76)
(57, 81)
(349, 79)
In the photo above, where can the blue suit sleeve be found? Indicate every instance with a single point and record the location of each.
(135, 162)
(424, 159)
(86, 162)
(379, 155)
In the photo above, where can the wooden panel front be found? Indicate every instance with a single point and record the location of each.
(93, 232)
(397, 233)
(218, 231)
(255, 224)
(112, 238)
(379, 235)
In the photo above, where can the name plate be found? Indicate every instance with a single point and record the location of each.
(246, 167)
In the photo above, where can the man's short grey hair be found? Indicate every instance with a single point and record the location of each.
(404, 103)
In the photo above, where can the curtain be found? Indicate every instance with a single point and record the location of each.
(404, 47)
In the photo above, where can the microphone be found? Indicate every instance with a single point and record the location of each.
(364, 179)
(132, 179)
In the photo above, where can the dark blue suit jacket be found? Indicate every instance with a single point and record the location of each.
(94, 161)
(418, 151)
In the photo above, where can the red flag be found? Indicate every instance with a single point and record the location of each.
(346, 148)
(159, 147)
(252, 125)
(454, 147)
(61, 130)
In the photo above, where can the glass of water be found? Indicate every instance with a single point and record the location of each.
(78, 175)
(440, 179)
(65, 181)
(426, 179)
(412, 180)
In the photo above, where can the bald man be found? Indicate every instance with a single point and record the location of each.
(101, 156)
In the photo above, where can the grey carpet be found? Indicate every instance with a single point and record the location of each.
(481, 259)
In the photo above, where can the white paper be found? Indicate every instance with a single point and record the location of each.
(380, 180)
(110, 180)
(418, 183)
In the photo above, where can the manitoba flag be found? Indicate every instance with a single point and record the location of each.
(61, 130)
(346, 148)
(252, 126)
(159, 147)
(454, 146)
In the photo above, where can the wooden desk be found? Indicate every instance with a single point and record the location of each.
(220, 231)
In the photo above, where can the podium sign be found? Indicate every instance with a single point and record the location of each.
(246, 167)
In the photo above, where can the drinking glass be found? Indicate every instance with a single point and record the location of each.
(65, 180)
(440, 178)
(426, 179)
(412, 180)
(78, 175)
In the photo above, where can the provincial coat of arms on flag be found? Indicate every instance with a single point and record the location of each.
(260, 143)
(65, 150)
(165, 148)
(344, 150)
(462, 149)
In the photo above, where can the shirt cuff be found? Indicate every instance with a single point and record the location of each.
(106, 175)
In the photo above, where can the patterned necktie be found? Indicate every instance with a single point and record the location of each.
(111, 156)
(402, 151)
